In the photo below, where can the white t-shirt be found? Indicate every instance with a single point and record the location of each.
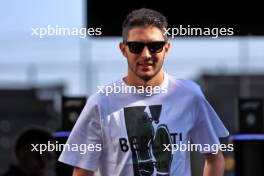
(139, 134)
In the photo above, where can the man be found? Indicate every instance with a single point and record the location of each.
(138, 131)
(32, 163)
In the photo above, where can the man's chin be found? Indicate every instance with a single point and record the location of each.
(146, 76)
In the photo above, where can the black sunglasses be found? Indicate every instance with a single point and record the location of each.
(153, 47)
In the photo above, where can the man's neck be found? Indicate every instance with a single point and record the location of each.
(133, 80)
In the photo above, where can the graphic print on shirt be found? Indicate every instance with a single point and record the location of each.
(147, 137)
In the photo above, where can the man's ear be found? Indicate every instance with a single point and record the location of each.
(167, 47)
(122, 48)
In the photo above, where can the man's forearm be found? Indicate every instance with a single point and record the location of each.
(214, 165)
(81, 172)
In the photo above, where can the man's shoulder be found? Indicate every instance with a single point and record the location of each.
(186, 85)
(106, 91)
(14, 171)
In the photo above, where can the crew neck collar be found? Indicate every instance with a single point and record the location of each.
(162, 87)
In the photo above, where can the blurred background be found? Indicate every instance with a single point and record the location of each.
(46, 81)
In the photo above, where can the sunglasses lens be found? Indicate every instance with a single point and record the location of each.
(135, 47)
(155, 47)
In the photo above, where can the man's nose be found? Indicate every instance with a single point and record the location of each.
(145, 53)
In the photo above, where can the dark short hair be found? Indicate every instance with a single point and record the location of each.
(142, 18)
(31, 134)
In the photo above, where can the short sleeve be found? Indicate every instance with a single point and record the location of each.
(208, 127)
(85, 140)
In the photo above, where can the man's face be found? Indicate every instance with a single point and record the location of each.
(35, 164)
(145, 64)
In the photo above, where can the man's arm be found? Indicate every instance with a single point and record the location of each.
(81, 172)
(214, 164)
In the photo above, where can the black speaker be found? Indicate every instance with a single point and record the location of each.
(251, 116)
(71, 109)
(108, 16)
(249, 157)
(61, 168)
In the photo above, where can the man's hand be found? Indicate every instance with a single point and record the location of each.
(81, 172)
(214, 164)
